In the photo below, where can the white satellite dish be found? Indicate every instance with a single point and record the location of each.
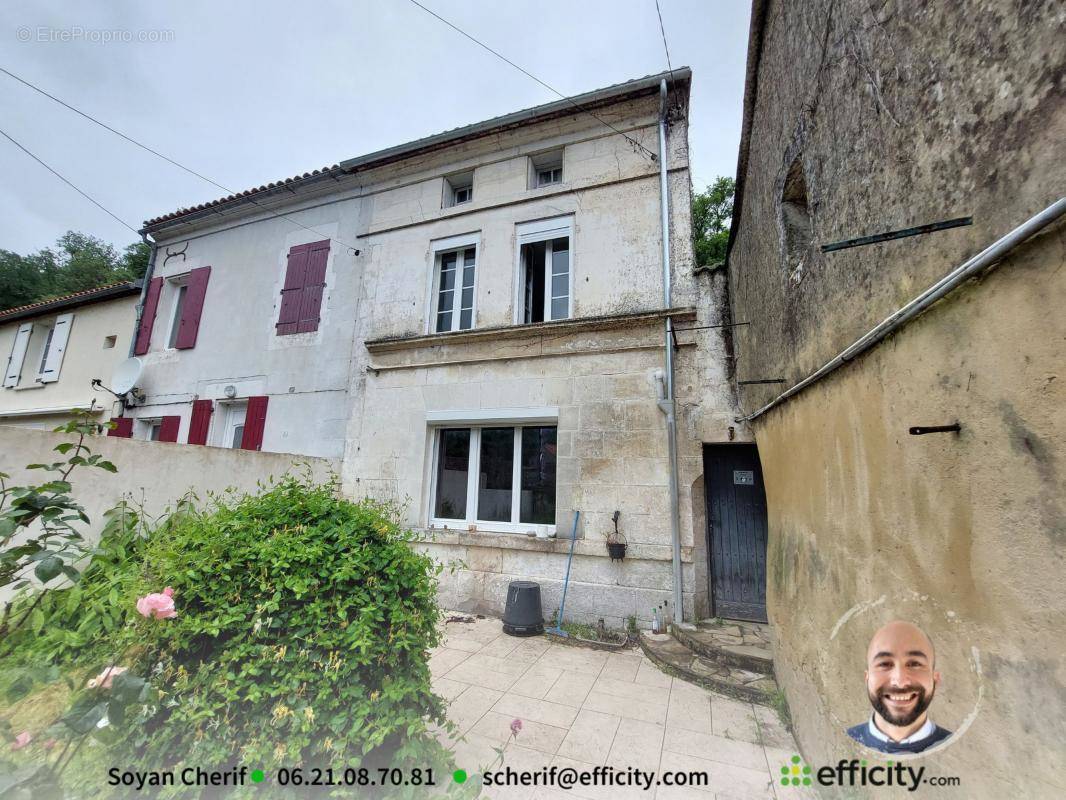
(126, 375)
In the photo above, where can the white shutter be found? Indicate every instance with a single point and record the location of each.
(18, 354)
(53, 361)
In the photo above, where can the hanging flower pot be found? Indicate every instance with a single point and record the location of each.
(616, 542)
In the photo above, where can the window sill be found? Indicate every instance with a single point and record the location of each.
(29, 386)
(525, 330)
(582, 547)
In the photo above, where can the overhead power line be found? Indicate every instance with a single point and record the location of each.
(529, 74)
(156, 153)
(666, 47)
(87, 196)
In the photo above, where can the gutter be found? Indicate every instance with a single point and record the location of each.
(667, 404)
(144, 291)
(986, 258)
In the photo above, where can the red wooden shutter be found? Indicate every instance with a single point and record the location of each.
(168, 429)
(123, 427)
(200, 421)
(314, 285)
(151, 303)
(292, 293)
(254, 422)
(194, 304)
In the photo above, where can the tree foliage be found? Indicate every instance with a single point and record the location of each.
(75, 263)
(712, 212)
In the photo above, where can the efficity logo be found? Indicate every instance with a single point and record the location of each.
(859, 773)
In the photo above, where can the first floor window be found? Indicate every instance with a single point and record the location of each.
(455, 290)
(501, 476)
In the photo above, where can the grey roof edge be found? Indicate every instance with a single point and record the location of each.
(572, 105)
(576, 104)
(87, 297)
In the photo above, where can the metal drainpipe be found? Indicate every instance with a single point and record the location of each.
(987, 257)
(667, 405)
(144, 291)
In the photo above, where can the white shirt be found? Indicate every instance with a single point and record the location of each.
(923, 732)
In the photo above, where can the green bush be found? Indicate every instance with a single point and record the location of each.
(301, 637)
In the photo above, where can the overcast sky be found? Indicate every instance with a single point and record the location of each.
(250, 92)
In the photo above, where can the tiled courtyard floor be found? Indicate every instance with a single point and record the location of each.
(583, 708)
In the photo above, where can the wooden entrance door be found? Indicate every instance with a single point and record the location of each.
(736, 531)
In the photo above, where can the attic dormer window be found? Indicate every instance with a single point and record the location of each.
(458, 189)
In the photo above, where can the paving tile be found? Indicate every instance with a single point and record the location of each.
(449, 689)
(466, 645)
(501, 647)
(529, 708)
(443, 659)
(479, 675)
(537, 681)
(571, 688)
(733, 719)
(534, 735)
(690, 708)
(714, 748)
(590, 737)
(772, 731)
(621, 666)
(471, 705)
(637, 744)
(721, 778)
(632, 691)
(650, 675)
(533, 646)
(519, 759)
(576, 658)
(626, 707)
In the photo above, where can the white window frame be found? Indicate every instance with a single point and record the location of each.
(545, 162)
(223, 426)
(540, 231)
(45, 347)
(148, 425)
(175, 286)
(476, 421)
(437, 249)
(455, 183)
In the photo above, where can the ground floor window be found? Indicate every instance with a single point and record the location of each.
(495, 477)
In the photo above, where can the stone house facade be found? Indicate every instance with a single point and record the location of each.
(475, 323)
(863, 121)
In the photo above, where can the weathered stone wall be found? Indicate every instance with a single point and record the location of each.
(902, 117)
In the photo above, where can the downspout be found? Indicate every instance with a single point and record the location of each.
(144, 291)
(667, 405)
(986, 258)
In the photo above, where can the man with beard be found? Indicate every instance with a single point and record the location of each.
(901, 679)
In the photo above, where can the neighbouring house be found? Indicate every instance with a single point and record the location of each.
(943, 129)
(54, 349)
(477, 323)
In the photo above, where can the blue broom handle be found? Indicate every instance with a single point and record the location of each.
(569, 559)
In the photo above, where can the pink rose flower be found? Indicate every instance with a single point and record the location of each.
(159, 605)
(103, 680)
(516, 726)
(22, 740)
(49, 744)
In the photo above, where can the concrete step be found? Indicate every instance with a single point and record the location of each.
(678, 660)
(747, 645)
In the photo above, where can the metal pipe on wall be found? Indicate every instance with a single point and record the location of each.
(668, 406)
(893, 322)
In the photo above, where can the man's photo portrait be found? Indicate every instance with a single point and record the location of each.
(901, 681)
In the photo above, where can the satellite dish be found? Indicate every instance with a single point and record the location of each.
(126, 375)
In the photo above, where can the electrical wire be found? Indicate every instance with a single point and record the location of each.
(87, 196)
(666, 47)
(169, 160)
(529, 74)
